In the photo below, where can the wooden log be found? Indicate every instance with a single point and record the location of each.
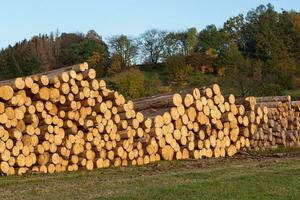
(273, 99)
(6, 92)
(249, 102)
(158, 102)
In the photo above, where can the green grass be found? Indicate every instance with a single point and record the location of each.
(161, 72)
(295, 94)
(242, 177)
(196, 79)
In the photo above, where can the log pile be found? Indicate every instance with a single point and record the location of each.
(283, 125)
(66, 119)
(201, 123)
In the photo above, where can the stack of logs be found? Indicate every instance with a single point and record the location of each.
(66, 119)
(201, 123)
(283, 125)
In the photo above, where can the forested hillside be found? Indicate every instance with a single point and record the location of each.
(258, 50)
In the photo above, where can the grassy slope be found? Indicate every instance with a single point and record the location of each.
(198, 80)
(194, 80)
(242, 177)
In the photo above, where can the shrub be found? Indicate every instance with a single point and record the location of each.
(176, 68)
(130, 83)
(153, 85)
(196, 60)
(189, 69)
(271, 89)
(115, 64)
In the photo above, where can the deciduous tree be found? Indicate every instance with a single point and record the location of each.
(152, 45)
(125, 47)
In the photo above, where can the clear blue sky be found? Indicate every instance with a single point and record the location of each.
(22, 19)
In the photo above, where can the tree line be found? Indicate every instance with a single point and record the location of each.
(258, 50)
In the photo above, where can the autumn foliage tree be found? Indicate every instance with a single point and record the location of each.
(47, 52)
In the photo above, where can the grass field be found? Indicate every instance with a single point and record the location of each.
(242, 177)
